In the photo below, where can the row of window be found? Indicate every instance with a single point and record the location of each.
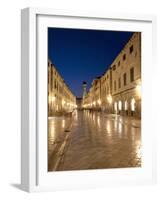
(105, 78)
(131, 49)
(52, 66)
(123, 82)
(105, 90)
(55, 85)
(124, 79)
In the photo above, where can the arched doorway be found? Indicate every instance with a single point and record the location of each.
(115, 107)
(133, 106)
(120, 106)
(126, 107)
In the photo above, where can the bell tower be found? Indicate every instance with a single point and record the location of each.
(84, 86)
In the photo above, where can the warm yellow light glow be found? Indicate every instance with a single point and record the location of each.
(98, 121)
(125, 106)
(53, 98)
(63, 102)
(76, 114)
(119, 128)
(120, 105)
(51, 131)
(138, 90)
(109, 98)
(115, 106)
(133, 104)
(108, 128)
(63, 123)
(99, 101)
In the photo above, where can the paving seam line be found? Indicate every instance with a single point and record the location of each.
(62, 148)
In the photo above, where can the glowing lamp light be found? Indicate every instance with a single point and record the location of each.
(63, 123)
(109, 99)
(99, 101)
(138, 90)
(63, 102)
(133, 104)
(53, 98)
(120, 105)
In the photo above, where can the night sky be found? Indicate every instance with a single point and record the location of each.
(81, 55)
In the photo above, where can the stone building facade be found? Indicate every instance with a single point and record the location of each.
(60, 97)
(79, 103)
(92, 98)
(118, 90)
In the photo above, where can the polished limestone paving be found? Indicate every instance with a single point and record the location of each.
(93, 140)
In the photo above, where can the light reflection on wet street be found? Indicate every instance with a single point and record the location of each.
(93, 141)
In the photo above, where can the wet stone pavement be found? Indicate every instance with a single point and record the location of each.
(93, 140)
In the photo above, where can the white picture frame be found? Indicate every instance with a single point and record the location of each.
(33, 113)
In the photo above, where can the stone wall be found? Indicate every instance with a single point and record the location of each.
(60, 98)
(118, 90)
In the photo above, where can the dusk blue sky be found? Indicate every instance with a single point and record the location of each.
(81, 55)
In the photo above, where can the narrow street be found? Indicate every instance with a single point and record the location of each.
(93, 140)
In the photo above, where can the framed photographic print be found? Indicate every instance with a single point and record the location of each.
(86, 102)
